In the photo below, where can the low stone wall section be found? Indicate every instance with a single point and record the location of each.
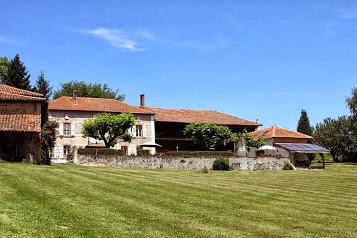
(192, 163)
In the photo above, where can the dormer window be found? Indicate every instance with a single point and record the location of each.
(66, 116)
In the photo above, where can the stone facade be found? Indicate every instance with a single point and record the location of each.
(20, 124)
(167, 162)
(70, 135)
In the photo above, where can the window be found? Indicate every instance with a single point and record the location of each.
(66, 129)
(66, 150)
(139, 131)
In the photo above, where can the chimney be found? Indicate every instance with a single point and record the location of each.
(142, 100)
(74, 97)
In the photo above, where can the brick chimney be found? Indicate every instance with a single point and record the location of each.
(74, 97)
(142, 100)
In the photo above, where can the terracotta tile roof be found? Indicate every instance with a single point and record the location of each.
(20, 122)
(8, 93)
(281, 132)
(94, 105)
(203, 116)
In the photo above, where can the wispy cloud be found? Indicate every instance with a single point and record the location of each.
(348, 12)
(341, 15)
(9, 41)
(115, 38)
(140, 40)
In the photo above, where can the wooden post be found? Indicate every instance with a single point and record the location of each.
(323, 160)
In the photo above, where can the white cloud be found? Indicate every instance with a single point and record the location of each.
(116, 38)
(147, 35)
(348, 12)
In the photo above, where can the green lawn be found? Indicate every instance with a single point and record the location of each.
(78, 201)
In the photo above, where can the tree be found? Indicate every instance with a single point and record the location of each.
(109, 128)
(352, 102)
(4, 65)
(95, 90)
(304, 124)
(209, 135)
(335, 135)
(252, 141)
(48, 140)
(17, 75)
(43, 86)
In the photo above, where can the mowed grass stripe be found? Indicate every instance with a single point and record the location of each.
(161, 203)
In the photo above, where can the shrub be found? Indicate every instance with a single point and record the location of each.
(143, 152)
(205, 170)
(221, 164)
(287, 166)
(101, 151)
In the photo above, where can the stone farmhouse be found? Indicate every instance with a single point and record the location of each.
(161, 125)
(71, 112)
(20, 123)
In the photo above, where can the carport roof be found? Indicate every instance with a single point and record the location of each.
(303, 148)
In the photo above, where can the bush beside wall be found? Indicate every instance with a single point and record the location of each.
(101, 151)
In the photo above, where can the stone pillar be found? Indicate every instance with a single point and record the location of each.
(75, 155)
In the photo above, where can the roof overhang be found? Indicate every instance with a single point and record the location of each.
(302, 148)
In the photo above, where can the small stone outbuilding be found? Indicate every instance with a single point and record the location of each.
(20, 124)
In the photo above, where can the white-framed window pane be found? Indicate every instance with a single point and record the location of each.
(66, 150)
(139, 131)
(66, 129)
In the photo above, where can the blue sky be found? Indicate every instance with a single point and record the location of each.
(262, 60)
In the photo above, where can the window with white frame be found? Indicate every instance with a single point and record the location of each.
(66, 129)
(66, 150)
(139, 131)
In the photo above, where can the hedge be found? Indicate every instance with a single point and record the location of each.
(100, 151)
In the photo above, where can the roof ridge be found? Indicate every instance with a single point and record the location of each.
(19, 91)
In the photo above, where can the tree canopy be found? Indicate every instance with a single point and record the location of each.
(4, 65)
(252, 141)
(43, 86)
(334, 134)
(209, 135)
(16, 74)
(95, 90)
(304, 124)
(352, 102)
(109, 128)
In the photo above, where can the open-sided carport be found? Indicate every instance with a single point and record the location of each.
(306, 149)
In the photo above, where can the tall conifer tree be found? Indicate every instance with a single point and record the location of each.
(304, 124)
(17, 75)
(43, 86)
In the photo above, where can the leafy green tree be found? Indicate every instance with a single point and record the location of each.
(43, 86)
(17, 75)
(252, 141)
(4, 65)
(48, 140)
(334, 134)
(352, 102)
(95, 90)
(304, 124)
(109, 128)
(209, 135)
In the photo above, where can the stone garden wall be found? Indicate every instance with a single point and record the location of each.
(175, 162)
